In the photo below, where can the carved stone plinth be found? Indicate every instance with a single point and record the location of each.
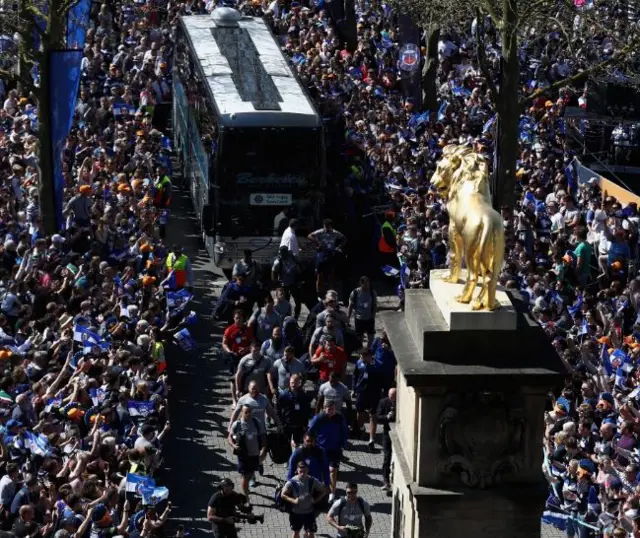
(470, 406)
(461, 317)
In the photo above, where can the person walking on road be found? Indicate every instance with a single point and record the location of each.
(351, 515)
(294, 409)
(284, 369)
(387, 415)
(248, 439)
(315, 458)
(363, 303)
(253, 367)
(334, 391)
(331, 433)
(367, 388)
(236, 343)
(303, 492)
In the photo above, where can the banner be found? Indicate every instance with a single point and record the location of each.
(409, 60)
(344, 16)
(608, 187)
(63, 90)
(77, 24)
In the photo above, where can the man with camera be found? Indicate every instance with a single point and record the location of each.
(303, 492)
(225, 508)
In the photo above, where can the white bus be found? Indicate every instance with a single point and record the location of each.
(251, 140)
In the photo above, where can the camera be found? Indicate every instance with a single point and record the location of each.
(245, 513)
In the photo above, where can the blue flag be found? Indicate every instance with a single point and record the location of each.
(63, 90)
(489, 124)
(38, 444)
(442, 111)
(136, 482)
(153, 496)
(89, 339)
(390, 271)
(185, 340)
(605, 360)
(97, 395)
(576, 307)
(177, 301)
(139, 410)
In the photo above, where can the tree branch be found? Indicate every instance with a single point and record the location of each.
(482, 58)
(33, 10)
(66, 6)
(578, 76)
(486, 5)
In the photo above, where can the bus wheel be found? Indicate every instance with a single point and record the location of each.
(227, 274)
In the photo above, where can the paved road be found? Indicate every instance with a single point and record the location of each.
(197, 456)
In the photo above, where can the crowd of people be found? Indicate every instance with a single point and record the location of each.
(86, 313)
(571, 251)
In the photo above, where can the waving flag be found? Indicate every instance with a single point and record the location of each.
(442, 111)
(185, 340)
(136, 482)
(153, 496)
(97, 395)
(605, 359)
(78, 332)
(37, 444)
(621, 363)
(53, 402)
(489, 124)
(177, 301)
(139, 409)
(88, 339)
(576, 307)
(390, 271)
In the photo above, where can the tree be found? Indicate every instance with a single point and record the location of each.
(30, 22)
(509, 25)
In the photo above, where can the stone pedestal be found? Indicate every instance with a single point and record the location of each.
(470, 404)
(460, 317)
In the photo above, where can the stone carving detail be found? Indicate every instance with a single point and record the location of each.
(481, 437)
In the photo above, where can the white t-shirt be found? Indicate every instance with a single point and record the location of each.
(290, 240)
(446, 49)
(557, 222)
(599, 221)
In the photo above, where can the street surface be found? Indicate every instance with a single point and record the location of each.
(196, 452)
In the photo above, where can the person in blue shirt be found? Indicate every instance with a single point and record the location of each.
(241, 295)
(385, 360)
(331, 433)
(367, 387)
(315, 458)
(24, 494)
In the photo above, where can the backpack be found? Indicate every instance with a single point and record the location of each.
(250, 371)
(343, 502)
(280, 503)
(279, 447)
(240, 438)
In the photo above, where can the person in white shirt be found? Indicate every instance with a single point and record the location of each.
(290, 239)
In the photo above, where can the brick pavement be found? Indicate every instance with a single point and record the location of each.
(197, 456)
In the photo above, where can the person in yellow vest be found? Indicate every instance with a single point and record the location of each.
(387, 246)
(157, 352)
(162, 185)
(181, 267)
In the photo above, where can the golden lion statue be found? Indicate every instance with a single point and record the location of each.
(476, 230)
